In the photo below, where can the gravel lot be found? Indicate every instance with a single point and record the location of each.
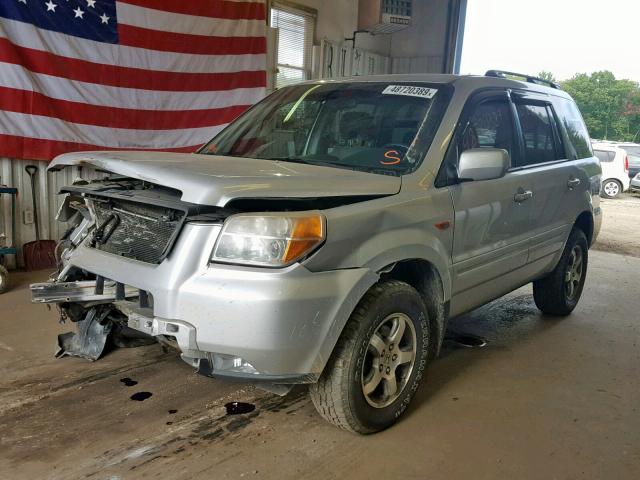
(620, 225)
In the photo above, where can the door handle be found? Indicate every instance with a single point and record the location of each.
(522, 196)
(573, 183)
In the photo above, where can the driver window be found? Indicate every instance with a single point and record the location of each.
(489, 126)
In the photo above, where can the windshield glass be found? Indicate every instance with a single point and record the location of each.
(375, 127)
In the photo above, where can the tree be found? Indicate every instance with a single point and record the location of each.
(610, 107)
(548, 76)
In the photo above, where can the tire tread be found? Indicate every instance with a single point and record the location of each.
(330, 394)
(548, 292)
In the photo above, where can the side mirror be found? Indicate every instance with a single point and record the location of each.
(483, 164)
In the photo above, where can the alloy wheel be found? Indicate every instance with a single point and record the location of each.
(611, 189)
(573, 275)
(389, 360)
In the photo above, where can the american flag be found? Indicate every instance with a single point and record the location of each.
(125, 74)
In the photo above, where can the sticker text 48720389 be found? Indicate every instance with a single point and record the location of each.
(410, 91)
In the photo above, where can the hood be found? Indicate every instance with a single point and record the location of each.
(216, 180)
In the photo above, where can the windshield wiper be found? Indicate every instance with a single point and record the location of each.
(311, 162)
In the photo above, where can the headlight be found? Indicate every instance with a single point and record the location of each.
(270, 240)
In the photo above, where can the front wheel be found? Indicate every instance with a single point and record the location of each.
(558, 293)
(611, 188)
(378, 361)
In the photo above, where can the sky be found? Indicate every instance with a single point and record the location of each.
(564, 37)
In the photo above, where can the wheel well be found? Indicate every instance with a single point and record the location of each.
(585, 223)
(424, 277)
(613, 179)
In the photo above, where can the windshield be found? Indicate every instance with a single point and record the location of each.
(374, 127)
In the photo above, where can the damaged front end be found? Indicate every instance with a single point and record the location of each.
(137, 266)
(128, 218)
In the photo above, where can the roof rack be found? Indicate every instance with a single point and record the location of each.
(527, 78)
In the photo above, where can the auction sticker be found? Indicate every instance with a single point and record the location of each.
(410, 91)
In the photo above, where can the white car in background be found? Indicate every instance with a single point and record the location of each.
(615, 169)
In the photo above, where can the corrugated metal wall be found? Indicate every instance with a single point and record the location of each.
(12, 174)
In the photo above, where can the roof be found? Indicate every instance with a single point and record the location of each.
(470, 82)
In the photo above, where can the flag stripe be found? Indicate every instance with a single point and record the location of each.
(37, 104)
(38, 61)
(185, 43)
(132, 74)
(207, 8)
(179, 23)
(16, 76)
(26, 35)
(44, 149)
(25, 125)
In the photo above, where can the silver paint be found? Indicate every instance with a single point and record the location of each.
(287, 321)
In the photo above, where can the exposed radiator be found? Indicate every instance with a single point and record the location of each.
(134, 230)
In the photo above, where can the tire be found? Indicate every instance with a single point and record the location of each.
(611, 188)
(359, 360)
(4, 279)
(553, 294)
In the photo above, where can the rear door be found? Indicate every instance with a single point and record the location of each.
(557, 183)
(607, 164)
(491, 234)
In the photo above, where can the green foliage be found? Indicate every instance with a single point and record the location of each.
(548, 76)
(610, 107)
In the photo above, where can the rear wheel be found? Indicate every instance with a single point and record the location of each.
(378, 361)
(559, 292)
(611, 188)
(4, 279)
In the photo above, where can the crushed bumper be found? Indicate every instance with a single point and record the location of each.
(279, 325)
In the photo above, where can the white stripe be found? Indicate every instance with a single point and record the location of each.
(36, 126)
(16, 76)
(27, 35)
(190, 24)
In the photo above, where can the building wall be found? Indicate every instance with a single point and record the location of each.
(417, 49)
(338, 19)
(12, 173)
(420, 48)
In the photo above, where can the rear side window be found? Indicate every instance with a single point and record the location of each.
(579, 144)
(539, 131)
(604, 156)
(635, 151)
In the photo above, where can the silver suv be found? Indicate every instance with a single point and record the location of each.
(327, 235)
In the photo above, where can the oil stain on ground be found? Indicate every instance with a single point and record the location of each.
(238, 408)
(128, 381)
(141, 396)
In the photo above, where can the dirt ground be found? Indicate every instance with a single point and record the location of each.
(546, 398)
(621, 225)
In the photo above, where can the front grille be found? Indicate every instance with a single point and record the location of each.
(133, 230)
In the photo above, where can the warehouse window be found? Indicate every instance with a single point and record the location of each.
(295, 44)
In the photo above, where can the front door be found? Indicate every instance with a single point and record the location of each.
(492, 217)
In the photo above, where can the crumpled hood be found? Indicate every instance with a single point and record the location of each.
(215, 180)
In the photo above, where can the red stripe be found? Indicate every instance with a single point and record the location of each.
(34, 103)
(39, 149)
(207, 8)
(50, 64)
(185, 43)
